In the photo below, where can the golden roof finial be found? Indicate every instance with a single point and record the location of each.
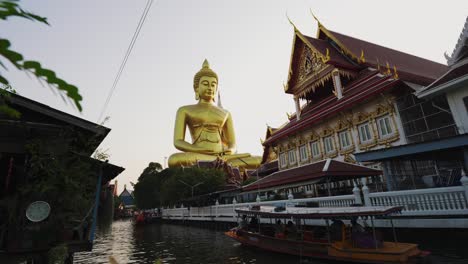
(327, 56)
(316, 19)
(389, 72)
(395, 75)
(289, 115)
(290, 22)
(362, 59)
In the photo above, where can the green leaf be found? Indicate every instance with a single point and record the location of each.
(3, 80)
(31, 65)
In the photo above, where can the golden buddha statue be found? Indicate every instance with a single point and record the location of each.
(210, 126)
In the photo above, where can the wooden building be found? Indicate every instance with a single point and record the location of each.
(50, 185)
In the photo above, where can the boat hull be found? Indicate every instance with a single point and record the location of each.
(388, 253)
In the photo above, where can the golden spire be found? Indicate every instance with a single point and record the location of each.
(316, 19)
(290, 22)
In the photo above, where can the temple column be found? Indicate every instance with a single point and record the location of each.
(298, 107)
(337, 84)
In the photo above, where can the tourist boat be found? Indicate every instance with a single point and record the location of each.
(350, 245)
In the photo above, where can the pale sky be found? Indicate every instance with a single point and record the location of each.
(248, 43)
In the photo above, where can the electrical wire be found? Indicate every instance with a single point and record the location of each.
(127, 54)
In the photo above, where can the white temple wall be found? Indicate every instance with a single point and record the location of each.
(368, 113)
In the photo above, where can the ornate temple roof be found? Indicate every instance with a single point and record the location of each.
(368, 69)
(325, 168)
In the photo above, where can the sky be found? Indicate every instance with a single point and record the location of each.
(247, 42)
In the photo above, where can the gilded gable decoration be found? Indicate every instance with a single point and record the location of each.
(345, 122)
(327, 132)
(271, 155)
(310, 62)
(314, 136)
(361, 117)
(348, 158)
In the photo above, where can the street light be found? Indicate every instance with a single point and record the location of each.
(191, 186)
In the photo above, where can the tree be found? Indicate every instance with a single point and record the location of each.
(156, 187)
(8, 9)
(178, 186)
(147, 189)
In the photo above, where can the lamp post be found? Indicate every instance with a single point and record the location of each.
(191, 186)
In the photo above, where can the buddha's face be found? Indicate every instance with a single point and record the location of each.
(207, 87)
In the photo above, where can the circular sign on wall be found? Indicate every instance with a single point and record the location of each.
(38, 211)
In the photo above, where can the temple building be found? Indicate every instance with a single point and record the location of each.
(351, 96)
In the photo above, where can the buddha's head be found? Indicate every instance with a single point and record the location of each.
(205, 83)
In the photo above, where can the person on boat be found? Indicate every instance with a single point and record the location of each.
(356, 227)
(336, 230)
(243, 223)
(279, 229)
(253, 225)
(291, 230)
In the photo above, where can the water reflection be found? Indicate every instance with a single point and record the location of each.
(183, 244)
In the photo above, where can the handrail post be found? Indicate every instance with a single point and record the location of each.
(234, 202)
(365, 193)
(464, 182)
(357, 194)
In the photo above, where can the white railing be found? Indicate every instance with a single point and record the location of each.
(228, 210)
(428, 202)
(432, 201)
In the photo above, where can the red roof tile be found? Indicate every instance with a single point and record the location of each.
(409, 67)
(452, 74)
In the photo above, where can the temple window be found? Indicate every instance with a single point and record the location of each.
(303, 152)
(314, 146)
(283, 160)
(384, 125)
(292, 156)
(328, 143)
(345, 141)
(365, 132)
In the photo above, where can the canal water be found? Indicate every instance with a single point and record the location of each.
(128, 243)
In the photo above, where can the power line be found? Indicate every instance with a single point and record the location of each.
(127, 54)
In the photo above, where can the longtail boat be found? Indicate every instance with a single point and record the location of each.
(337, 242)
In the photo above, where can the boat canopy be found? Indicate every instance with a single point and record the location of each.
(318, 212)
